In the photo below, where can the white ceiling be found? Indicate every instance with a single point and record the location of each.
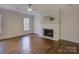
(37, 8)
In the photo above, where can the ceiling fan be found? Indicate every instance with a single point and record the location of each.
(29, 7)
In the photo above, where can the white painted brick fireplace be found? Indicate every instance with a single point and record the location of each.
(42, 22)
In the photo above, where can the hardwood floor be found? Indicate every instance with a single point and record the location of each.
(33, 44)
(25, 44)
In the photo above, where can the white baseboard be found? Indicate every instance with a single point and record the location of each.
(6, 37)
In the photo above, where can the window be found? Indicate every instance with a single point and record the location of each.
(26, 23)
(0, 24)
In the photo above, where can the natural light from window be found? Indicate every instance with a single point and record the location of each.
(26, 23)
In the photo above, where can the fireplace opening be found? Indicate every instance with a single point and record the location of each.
(48, 32)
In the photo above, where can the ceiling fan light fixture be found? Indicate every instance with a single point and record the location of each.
(29, 9)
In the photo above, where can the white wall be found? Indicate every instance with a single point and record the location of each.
(70, 23)
(37, 24)
(12, 24)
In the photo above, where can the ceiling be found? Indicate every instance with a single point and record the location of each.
(37, 8)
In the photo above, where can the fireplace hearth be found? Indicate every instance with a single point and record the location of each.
(48, 32)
